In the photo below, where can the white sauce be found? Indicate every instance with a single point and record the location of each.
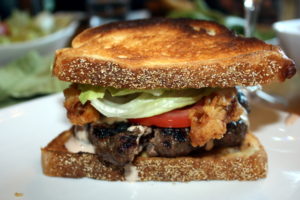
(79, 143)
(244, 117)
(82, 135)
(131, 173)
(74, 145)
(142, 129)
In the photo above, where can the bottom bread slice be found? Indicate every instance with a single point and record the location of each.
(247, 162)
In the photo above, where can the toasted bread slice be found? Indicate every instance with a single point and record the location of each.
(248, 162)
(169, 53)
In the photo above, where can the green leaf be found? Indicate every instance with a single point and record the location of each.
(28, 76)
(127, 103)
(145, 104)
(89, 92)
(123, 92)
(201, 5)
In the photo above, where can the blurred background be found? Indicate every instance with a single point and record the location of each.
(31, 31)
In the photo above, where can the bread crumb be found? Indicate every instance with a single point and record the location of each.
(19, 194)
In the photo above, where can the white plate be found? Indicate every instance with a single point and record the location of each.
(26, 127)
(288, 33)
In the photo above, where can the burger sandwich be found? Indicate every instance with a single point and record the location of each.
(161, 100)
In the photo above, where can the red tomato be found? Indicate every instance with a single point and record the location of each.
(173, 119)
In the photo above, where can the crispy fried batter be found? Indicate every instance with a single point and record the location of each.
(209, 119)
(78, 113)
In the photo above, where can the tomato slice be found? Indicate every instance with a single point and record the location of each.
(173, 119)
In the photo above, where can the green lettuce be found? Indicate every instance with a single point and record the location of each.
(27, 77)
(123, 92)
(126, 103)
(89, 92)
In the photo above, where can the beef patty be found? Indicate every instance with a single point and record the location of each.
(121, 142)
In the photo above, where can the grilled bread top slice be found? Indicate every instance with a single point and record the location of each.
(169, 53)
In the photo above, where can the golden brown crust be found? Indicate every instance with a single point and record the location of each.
(57, 161)
(78, 113)
(249, 162)
(169, 53)
(209, 119)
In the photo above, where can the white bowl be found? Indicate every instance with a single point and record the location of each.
(288, 33)
(44, 45)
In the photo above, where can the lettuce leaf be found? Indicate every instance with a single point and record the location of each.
(89, 92)
(145, 104)
(27, 77)
(123, 92)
